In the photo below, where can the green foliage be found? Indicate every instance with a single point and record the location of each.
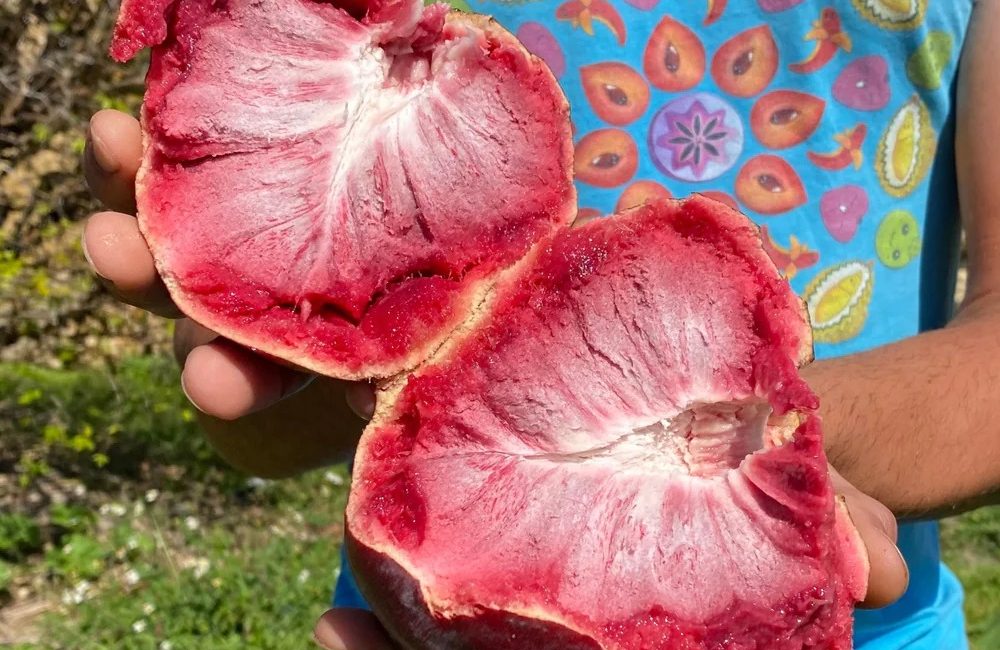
(971, 546)
(91, 423)
(81, 558)
(256, 580)
(19, 536)
(6, 576)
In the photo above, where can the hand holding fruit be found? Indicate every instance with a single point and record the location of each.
(245, 398)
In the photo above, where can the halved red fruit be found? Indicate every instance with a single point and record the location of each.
(674, 59)
(617, 93)
(785, 118)
(618, 454)
(768, 185)
(640, 193)
(606, 158)
(285, 188)
(746, 63)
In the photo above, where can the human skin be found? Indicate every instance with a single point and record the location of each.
(911, 424)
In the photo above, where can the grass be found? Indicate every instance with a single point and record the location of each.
(121, 526)
(156, 544)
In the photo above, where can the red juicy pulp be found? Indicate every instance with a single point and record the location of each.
(620, 449)
(332, 191)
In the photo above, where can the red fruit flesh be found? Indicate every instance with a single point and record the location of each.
(616, 452)
(331, 189)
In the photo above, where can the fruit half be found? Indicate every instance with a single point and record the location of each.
(615, 452)
(328, 184)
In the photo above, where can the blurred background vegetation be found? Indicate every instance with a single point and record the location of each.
(118, 526)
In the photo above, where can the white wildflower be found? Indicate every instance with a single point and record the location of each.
(256, 483)
(200, 567)
(192, 523)
(152, 495)
(77, 594)
(111, 510)
(333, 477)
(148, 609)
(132, 543)
(165, 645)
(303, 576)
(132, 577)
(139, 626)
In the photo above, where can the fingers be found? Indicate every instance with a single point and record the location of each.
(118, 254)
(361, 398)
(111, 159)
(888, 575)
(350, 629)
(187, 336)
(227, 381)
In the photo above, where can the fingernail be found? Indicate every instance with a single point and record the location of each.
(86, 254)
(188, 395)
(906, 565)
(320, 644)
(102, 154)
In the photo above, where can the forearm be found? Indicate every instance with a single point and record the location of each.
(916, 424)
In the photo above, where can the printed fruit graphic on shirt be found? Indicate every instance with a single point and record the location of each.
(768, 185)
(745, 64)
(847, 153)
(641, 193)
(674, 59)
(583, 14)
(538, 40)
(897, 240)
(696, 137)
(385, 195)
(893, 14)
(927, 64)
(606, 158)
(829, 36)
(586, 215)
(616, 92)
(774, 6)
(785, 118)
(842, 209)
(789, 259)
(721, 197)
(715, 9)
(643, 4)
(906, 149)
(837, 300)
(863, 84)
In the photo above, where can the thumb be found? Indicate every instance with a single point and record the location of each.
(888, 575)
(350, 629)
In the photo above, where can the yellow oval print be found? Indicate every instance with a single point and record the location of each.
(893, 14)
(906, 149)
(837, 300)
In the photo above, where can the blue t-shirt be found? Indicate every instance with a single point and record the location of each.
(831, 124)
